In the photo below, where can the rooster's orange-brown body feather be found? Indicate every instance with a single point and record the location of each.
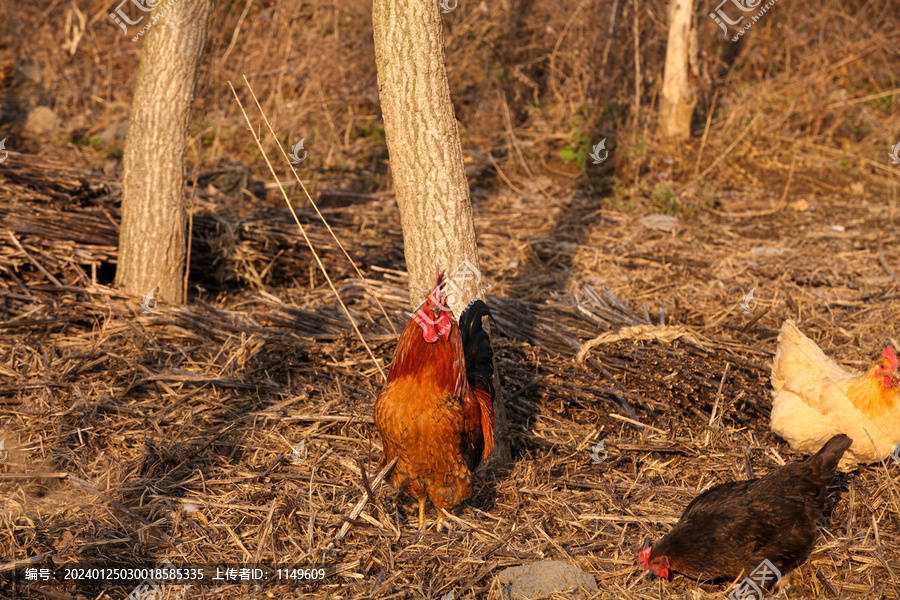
(435, 413)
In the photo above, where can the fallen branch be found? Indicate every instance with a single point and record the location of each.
(362, 501)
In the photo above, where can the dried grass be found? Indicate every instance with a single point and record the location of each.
(182, 422)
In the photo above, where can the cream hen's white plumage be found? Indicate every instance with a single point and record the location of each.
(815, 399)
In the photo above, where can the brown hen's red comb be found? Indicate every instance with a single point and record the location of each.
(644, 557)
(891, 356)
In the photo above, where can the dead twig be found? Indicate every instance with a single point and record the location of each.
(382, 475)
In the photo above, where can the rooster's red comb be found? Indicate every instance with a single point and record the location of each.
(891, 356)
(438, 294)
(644, 557)
(439, 291)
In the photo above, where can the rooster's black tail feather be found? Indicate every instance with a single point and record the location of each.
(477, 347)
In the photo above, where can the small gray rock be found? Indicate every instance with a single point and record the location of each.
(541, 579)
(115, 134)
(662, 222)
(42, 120)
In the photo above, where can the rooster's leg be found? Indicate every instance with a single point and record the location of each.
(421, 513)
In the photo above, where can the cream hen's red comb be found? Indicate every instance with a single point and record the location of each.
(891, 356)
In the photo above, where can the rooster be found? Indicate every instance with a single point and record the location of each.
(814, 399)
(731, 528)
(436, 411)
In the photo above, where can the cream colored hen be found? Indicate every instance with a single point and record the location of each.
(814, 399)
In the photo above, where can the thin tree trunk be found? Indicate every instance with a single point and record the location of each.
(636, 34)
(427, 162)
(152, 235)
(678, 97)
(423, 142)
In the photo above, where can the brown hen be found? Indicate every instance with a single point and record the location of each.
(731, 528)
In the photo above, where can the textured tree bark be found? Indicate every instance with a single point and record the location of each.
(427, 163)
(678, 97)
(152, 235)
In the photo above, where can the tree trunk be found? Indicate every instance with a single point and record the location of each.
(152, 235)
(679, 97)
(427, 163)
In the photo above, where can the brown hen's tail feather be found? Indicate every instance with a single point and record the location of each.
(825, 461)
(479, 358)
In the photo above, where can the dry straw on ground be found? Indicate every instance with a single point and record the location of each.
(137, 436)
